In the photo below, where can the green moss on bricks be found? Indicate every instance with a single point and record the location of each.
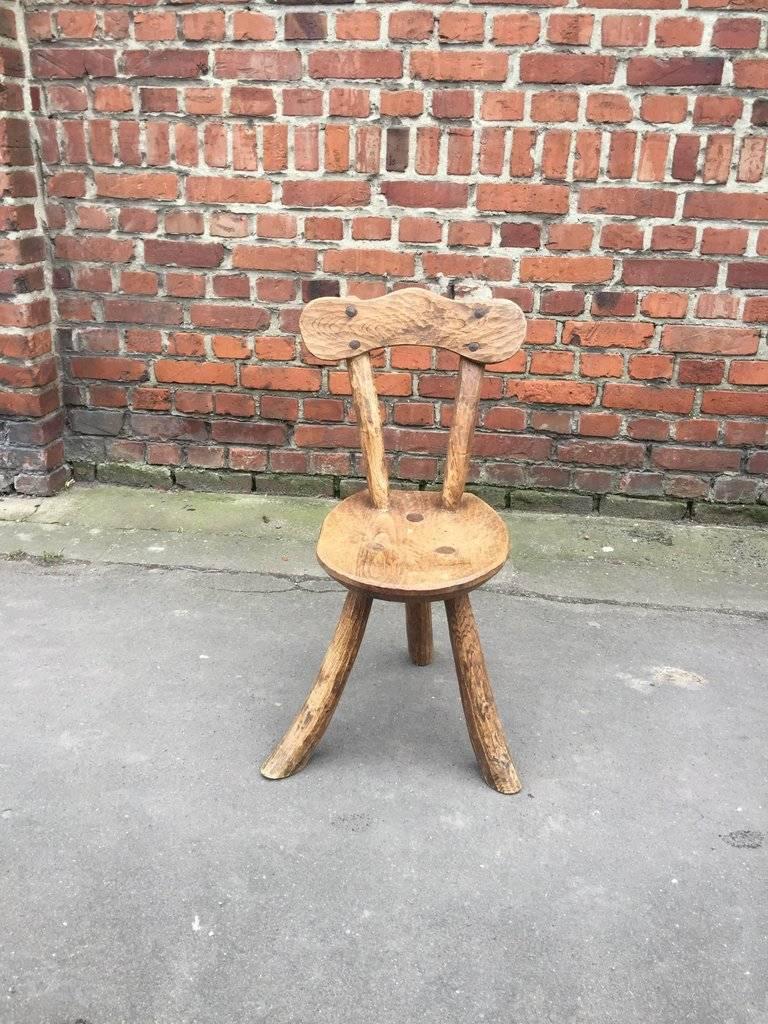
(730, 515)
(496, 497)
(83, 472)
(208, 480)
(134, 475)
(643, 508)
(294, 484)
(550, 501)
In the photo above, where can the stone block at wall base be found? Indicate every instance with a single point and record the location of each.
(42, 485)
(300, 485)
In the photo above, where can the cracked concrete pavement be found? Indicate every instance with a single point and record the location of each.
(155, 646)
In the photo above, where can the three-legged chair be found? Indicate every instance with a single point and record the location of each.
(415, 547)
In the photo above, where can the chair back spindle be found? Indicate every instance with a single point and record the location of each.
(369, 420)
(462, 432)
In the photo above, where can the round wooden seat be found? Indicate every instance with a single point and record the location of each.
(415, 548)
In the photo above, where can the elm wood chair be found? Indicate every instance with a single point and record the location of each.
(415, 547)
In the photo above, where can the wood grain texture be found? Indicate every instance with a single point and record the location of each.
(462, 432)
(369, 420)
(414, 549)
(294, 749)
(485, 729)
(418, 625)
(485, 332)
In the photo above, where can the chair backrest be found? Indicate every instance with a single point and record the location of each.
(478, 332)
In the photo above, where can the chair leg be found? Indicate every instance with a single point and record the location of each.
(294, 749)
(485, 729)
(418, 626)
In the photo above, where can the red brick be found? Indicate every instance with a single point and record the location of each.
(599, 424)
(642, 396)
(138, 185)
(679, 31)
(736, 33)
(253, 26)
(308, 194)
(593, 365)
(561, 303)
(522, 198)
(425, 195)
(258, 65)
(607, 334)
(717, 306)
(706, 460)
(554, 106)
(502, 106)
(609, 108)
(651, 367)
(673, 71)
(614, 303)
(700, 371)
(598, 453)
(750, 74)
(458, 66)
(575, 269)
(747, 275)
(183, 254)
(287, 378)
(636, 202)
(752, 159)
(516, 29)
(358, 25)
(180, 371)
(720, 110)
(725, 241)
(552, 392)
(653, 157)
(305, 25)
(570, 29)
(726, 206)
(735, 403)
(664, 109)
(355, 63)
(625, 29)
(166, 63)
(108, 368)
(204, 25)
(747, 371)
(411, 26)
(673, 238)
(461, 27)
(404, 103)
(681, 273)
(60, 62)
(241, 318)
(368, 261)
(567, 69)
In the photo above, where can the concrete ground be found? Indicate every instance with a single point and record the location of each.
(154, 646)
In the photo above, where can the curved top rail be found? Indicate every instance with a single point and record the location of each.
(485, 332)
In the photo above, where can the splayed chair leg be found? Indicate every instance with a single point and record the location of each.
(418, 625)
(485, 729)
(295, 748)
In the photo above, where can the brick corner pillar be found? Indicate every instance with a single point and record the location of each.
(31, 412)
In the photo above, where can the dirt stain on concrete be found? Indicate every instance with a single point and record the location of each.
(663, 675)
(744, 839)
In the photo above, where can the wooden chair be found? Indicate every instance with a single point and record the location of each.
(410, 546)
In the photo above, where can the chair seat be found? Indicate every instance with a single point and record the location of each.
(415, 549)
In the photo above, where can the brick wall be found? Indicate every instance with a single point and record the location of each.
(208, 169)
(31, 415)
